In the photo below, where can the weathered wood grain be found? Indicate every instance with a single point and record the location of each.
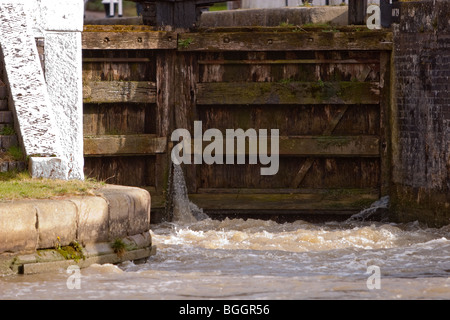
(284, 41)
(118, 118)
(6, 117)
(113, 145)
(122, 170)
(119, 91)
(135, 40)
(331, 200)
(315, 146)
(288, 61)
(288, 93)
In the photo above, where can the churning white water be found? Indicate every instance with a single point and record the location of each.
(201, 258)
(183, 209)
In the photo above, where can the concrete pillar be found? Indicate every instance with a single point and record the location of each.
(62, 22)
(48, 110)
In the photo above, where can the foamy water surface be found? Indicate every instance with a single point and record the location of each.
(255, 259)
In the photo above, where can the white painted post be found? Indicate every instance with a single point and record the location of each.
(111, 8)
(120, 8)
(112, 11)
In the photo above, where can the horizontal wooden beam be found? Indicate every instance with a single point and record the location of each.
(222, 93)
(324, 192)
(130, 40)
(312, 202)
(120, 145)
(284, 41)
(288, 61)
(3, 105)
(119, 91)
(314, 146)
(6, 117)
(330, 146)
(117, 60)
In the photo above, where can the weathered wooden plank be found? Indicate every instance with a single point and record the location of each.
(288, 61)
(115, 145)
(119, 91)
(284, 41)
(135, 40)
(186, 78)
(357, 10)
(301, 174)
(308, 163)
(6, 117)
(3, 105)
(325, 173)
(118, 118)
(325, 192)
(315, 146)
(361, 146)
(334, 200)
(123, 170)
(288, 93)
(122, 59)
(165, 73)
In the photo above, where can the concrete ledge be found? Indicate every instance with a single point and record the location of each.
(273, 17)
(129, 209)
(30, 230)
(139, 247)
(43, 267)
(115, 212)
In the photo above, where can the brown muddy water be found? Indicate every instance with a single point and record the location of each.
(199, 258)
(255, 259)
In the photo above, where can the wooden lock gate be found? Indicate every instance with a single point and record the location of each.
(325, 89)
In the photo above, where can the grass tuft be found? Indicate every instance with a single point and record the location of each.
(16, 185)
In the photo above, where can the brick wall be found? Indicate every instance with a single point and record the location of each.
(420, 187)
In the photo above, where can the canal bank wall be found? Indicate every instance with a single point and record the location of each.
(420, 126)
(44, 235)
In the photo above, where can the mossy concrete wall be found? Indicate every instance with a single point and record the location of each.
(420, 124)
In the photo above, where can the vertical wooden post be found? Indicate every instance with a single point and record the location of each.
(357, 12)
(185, 79)
(165, 62)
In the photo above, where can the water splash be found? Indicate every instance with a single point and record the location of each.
(377, 211)
(183, 210)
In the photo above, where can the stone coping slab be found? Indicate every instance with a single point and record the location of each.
(113, 212)
(274, 17)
